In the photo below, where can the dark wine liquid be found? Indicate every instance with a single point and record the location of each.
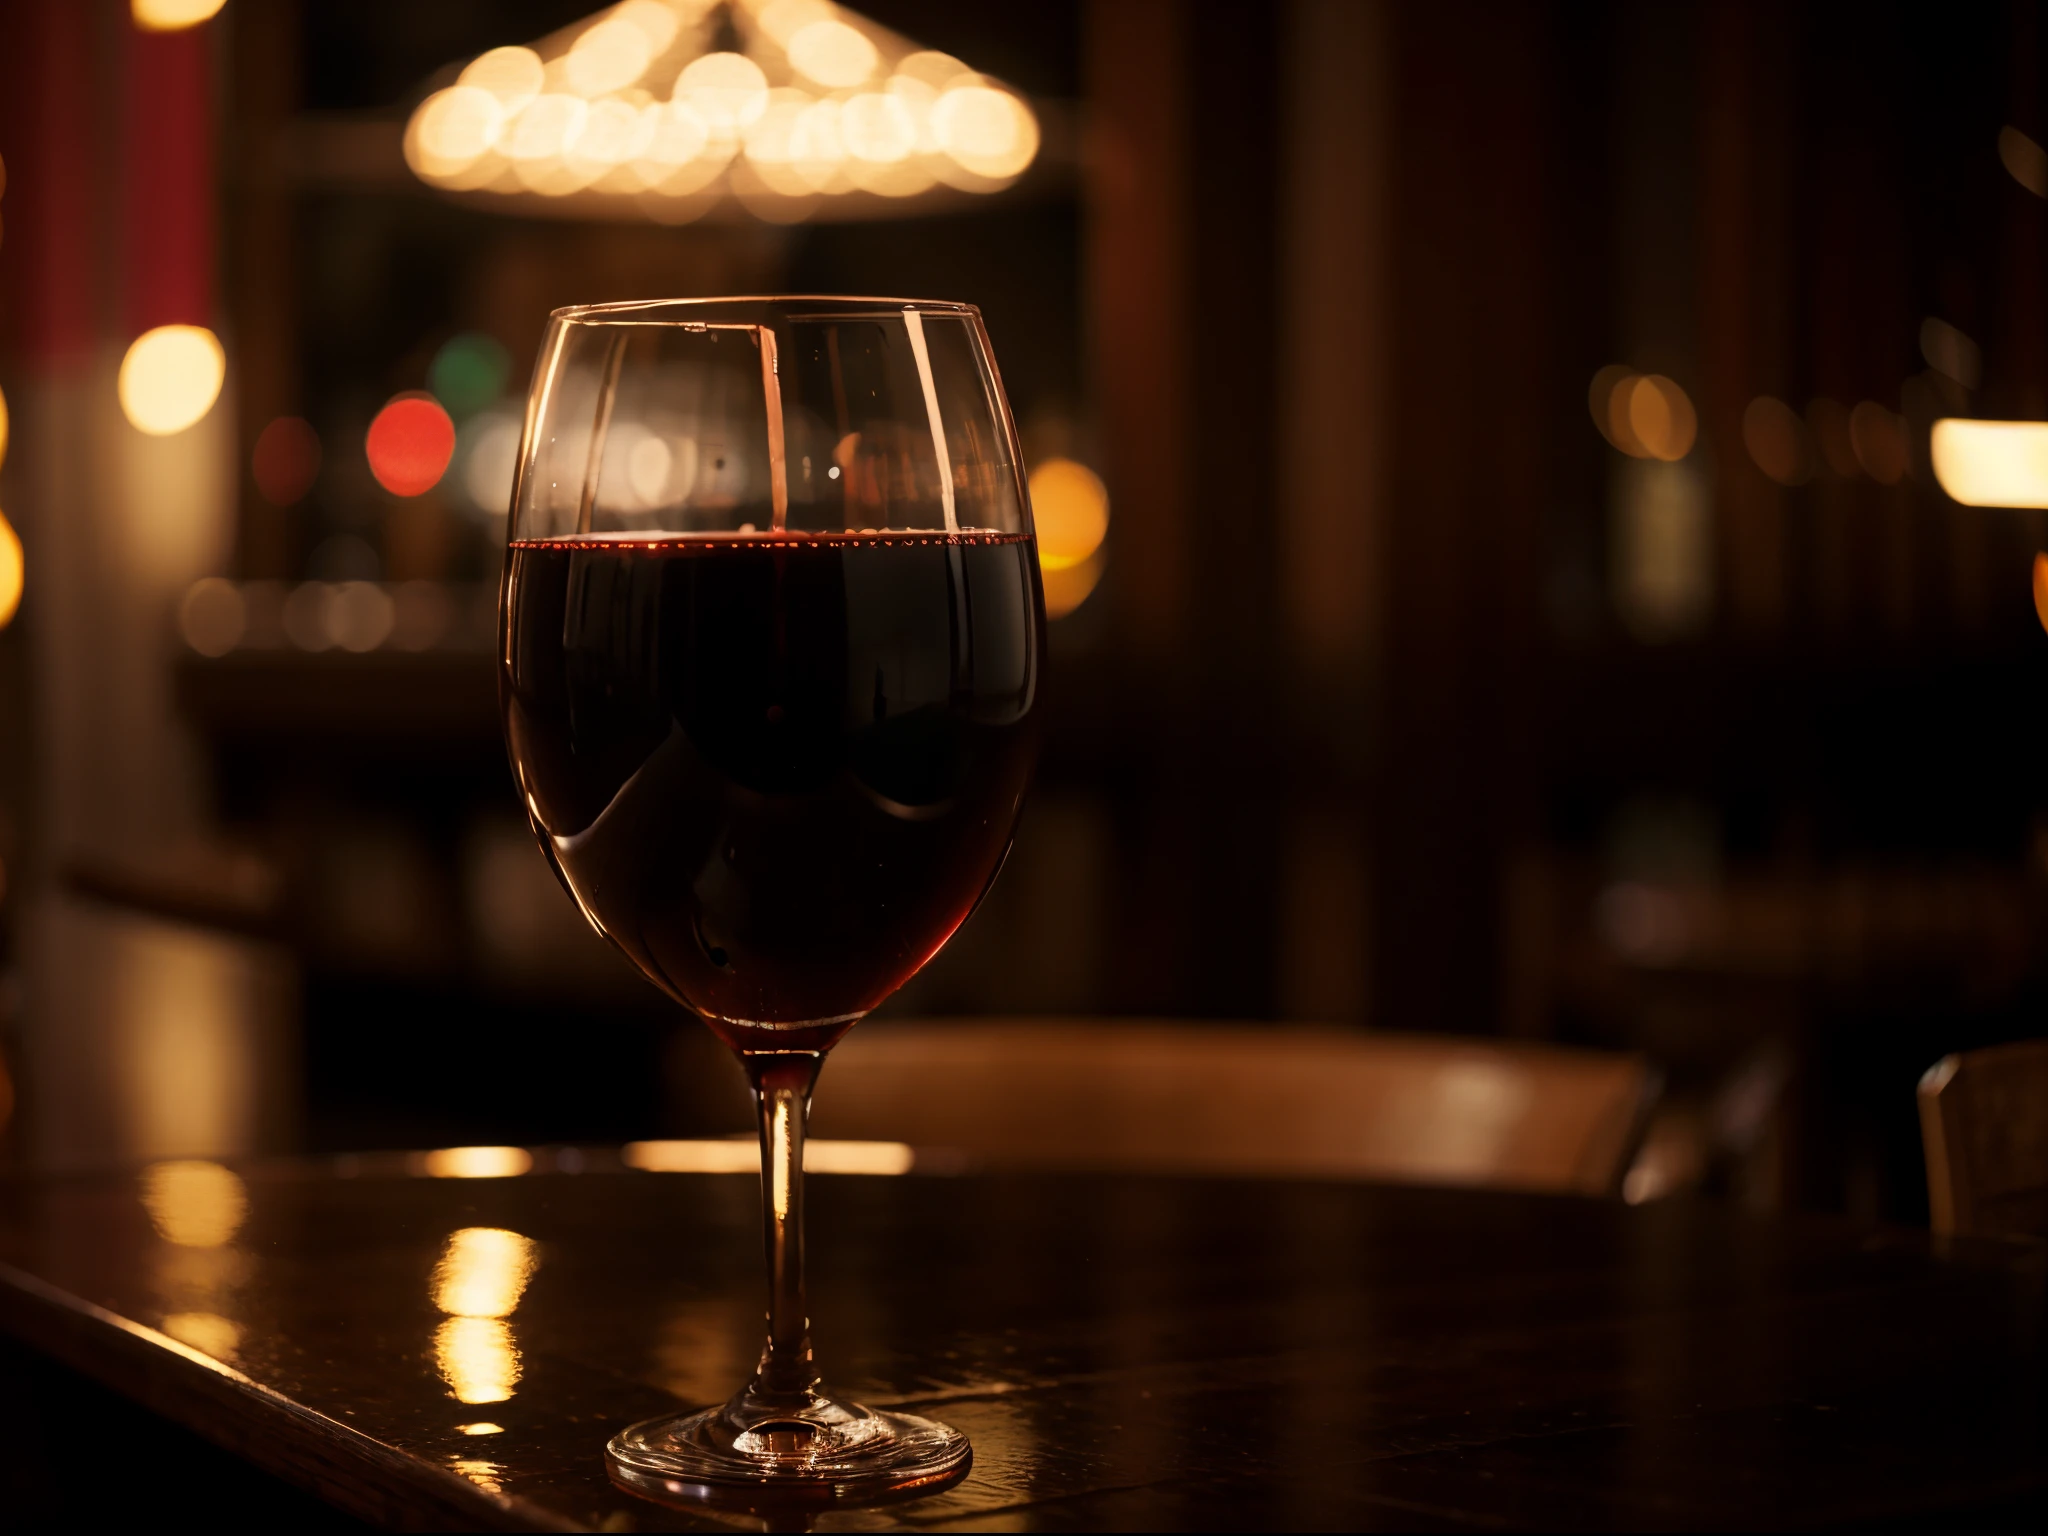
(778, 772)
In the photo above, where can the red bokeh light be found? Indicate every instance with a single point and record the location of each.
(286, 458)
(410, 444)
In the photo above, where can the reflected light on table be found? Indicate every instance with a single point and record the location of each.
(207, 1332)
(744, 1156)
(476, 1163)
(1992, 463)
(194, 1204)
(482, 1273)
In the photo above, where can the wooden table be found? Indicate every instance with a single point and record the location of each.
(1126, 1353)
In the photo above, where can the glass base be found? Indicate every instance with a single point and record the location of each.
(816, 1448)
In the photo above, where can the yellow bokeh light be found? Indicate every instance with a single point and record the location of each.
(452, 130)
(194, 1204)
(832, 53)
(12, 569)
(2024, 160)
(483, 1272)
(1776, 440)
(170, 378)
(1070, 509)
(727, 90)
(878, 128)
(2041, 589)
(783, 19)
(1992, 463)
(1066, 589)
(986, 131)
(513, 75)
(477, 1359)
(477, 1163)
(743, 1155)
(549, 126)
(3, 426)
(172, 15)
(611, 55)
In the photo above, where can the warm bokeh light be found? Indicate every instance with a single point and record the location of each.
(213, 616)
(1646, 416)
(1948, 351)
(477, 1162)
(512, 75)
(988, 132)
(1878, 439)
(12, 571)
(409, 445)
(2041, 589)
(805, 104)
(3, 426)
(172, 15)
(285, 460)
(194, 1204)
(477, 1358)
(1070, 509)
(743, 1155)
(1661, 418)
(2024, 160)
(1992, 463)
(1776, 440)
(483, 1272)
(833, 54)
(170, 378)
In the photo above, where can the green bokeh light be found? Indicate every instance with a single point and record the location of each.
(468, 373)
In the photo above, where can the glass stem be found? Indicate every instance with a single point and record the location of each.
(782, 1082)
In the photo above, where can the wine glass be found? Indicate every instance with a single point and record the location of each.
(771, 634)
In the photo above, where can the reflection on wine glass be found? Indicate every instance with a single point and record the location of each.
(771, 634)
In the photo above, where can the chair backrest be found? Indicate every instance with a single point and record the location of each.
(1984, 1124)
(1243, 1099)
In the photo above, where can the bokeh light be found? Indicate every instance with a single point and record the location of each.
(170, 378)
(172, 15)
(477, 1163)
(12, 570)
(3, 426)
(1070, 511)
(2024, 160)
(513, 75)
(1878, 438)
(1646, 416)
(1777, 441)
(490, 460)
(285, 460)
(2041, 589)
(1829, 422)
(409, 445)
(1948, 351)
(468, 373)
(213, 617)
(1992, 463)
(194, 1204)
(833, 54)
(988, 132)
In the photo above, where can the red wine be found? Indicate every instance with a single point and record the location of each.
(778, 771)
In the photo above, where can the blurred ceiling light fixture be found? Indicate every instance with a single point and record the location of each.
(170, 378)
(1646, 416)
(1992, 463)
(665, 109)
(2024, 159)
(172, 15)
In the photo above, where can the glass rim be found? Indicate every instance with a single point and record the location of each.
(656, 311)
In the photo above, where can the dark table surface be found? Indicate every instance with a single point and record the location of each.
(1126, 1353)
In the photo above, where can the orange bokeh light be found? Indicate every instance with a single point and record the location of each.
(285, 460)
(409, 445)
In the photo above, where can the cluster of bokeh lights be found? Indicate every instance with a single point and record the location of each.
(650, 102)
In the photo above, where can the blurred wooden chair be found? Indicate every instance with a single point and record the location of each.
(1242, 1099)
(1984, 1124)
